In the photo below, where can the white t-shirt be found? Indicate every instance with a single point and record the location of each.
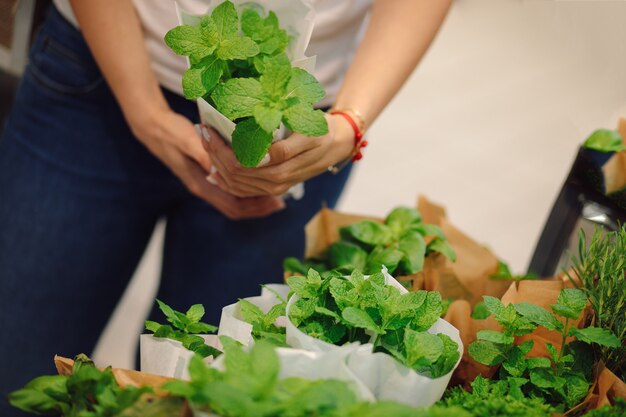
(336, 34)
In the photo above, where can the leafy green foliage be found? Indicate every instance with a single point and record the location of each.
(600, 270)
(88, 392)
(339, 310)
(210, 48)
(496, 399)
(399, 244)
(504, 272)
(263, 324)
(239, 65)
(249, 386)
(605, 140)
(560, 379)
(185, 328)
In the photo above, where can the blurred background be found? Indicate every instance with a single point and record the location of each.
(487, 126)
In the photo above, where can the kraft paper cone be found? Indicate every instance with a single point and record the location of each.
(459, 315)
(467, 278)
(124, 377)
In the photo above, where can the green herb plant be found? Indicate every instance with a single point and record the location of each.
(87, 392)
(490, 398)
(263, 324)
(239, 65)
(399, 244)
(185, 328)
(561, 379)
(339, 310)
(600, 271)
(249, 386)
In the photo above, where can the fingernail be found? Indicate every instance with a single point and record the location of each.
(266, 160)
(212, 170)
(211, 179)
(205, 134)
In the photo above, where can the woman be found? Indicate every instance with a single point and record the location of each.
(100, 145)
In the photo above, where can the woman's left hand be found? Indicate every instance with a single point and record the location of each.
(293, 160)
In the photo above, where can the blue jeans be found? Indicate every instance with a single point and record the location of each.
(79, 199)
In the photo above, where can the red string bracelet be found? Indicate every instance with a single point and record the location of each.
(359, 143)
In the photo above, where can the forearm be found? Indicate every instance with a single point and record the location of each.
(113, 32)
(397, 37)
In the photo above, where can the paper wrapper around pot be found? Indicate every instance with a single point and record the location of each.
(384, 376)
(295, 16)
(167, 357)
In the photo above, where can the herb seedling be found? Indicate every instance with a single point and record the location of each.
(400, 244)
(338, 311)
(563, 378)
(263, 324)
(239, 65)
(185, 328)
(87, 392)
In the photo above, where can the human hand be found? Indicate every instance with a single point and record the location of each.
(173, 139)
(292, 160)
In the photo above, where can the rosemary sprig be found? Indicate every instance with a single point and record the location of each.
(600, 271)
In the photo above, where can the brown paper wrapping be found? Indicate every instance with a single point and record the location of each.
(615, 169)
(459, 315)
(124, 377)
(467, 278)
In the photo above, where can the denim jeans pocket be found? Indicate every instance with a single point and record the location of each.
(59, 68)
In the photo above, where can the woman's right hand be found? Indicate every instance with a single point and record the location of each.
(173, 139)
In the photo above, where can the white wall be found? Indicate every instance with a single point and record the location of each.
(487, 126)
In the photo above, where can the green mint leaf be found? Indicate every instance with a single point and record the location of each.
(605, 140)
(326, 312)
(171, 315)
(304, 87)
(202, 78)
(443, 247)
(429, 312)
(250, 313)
(274, 313)
(448, 358)
(576, 389)
(480, 312)
(226, 20)
(201, 328)
(303, 119)
(268, 118)
(495, 337)
(382, 256)
(402, 217)
(356, 278)
(165, 331)
(275, 77)
(302, 310)
(538, 362)
(236, 48)
(152, 326)
(367, 232)
(237, 98)
(545, 378)
(265, 366)
(265, 32)
(345, 254)
(427, 230)
(294, 265)
(487, 353)
(189, 41)
(597, 335)
(422, 349)
(195, 313)
(298, 285)
(192, 83)
(360, 319)
(570, 303)
(236, 360)
(515, 363)
(553, 352)
(539, 316)
(414, 250)
(250, 143)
